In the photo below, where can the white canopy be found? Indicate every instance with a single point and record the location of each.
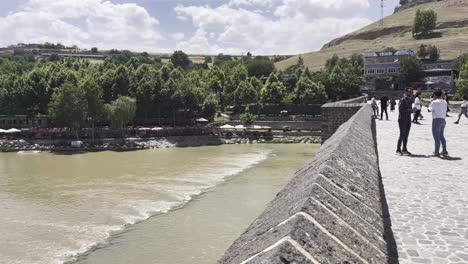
(255, 127)
(226, 127)
(13, 130)
(157, 128)
(239, 127)
(2, 130)
(202, 120)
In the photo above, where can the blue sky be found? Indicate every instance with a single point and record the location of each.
(194, 26)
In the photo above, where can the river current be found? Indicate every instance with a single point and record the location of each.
(61, 208)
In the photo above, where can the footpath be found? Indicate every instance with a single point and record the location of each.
(427, 196)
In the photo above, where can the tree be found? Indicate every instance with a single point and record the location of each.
(209, 106)
(273, 91)
(260, 67)
(424, 22)
(422, 51)
(245, 94)
(121, 112)
(411, 70)
(247, 118)
(434, 54)
(69, 106)
(220, 59)
(180, 59)
(93, 96)
(460, 61)
(94, 50)
(309, 92)
(462, 83)
(54, 57)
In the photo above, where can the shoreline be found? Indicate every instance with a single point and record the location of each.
(134, 144)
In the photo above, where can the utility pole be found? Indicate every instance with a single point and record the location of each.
(382, 12)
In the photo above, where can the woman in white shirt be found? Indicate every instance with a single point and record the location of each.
(439, 112)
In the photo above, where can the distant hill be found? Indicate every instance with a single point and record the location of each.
(451, 32)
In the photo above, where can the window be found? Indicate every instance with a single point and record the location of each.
(371, 71)
(380, 71)
(392, 70)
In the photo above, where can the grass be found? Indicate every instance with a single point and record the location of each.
(454, 40)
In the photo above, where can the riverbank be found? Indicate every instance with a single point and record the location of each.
(132, 144)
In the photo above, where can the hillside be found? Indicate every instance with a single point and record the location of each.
(451, 31)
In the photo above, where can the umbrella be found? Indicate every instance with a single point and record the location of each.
(239, 127)
(226, 127)
(144, 128)
(429, 82)
(202, 120)
(13, 130)
(156, 128)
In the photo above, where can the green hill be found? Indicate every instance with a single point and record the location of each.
(451, 35)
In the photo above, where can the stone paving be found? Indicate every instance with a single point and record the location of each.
(427, 195)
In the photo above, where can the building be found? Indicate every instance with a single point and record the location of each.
(382, 69)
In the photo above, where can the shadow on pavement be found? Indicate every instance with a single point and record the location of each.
(451, 158)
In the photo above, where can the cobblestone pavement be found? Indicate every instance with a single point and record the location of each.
(427, 195)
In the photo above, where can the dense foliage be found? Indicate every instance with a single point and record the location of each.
(424, 22)
(76, 93)
(462, 83)
(411, 70)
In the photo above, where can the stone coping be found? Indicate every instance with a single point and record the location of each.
(333, 211)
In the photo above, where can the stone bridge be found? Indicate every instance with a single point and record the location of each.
(357, 202)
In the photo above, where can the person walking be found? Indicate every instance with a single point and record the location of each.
(392, 104)
(383, 107)
(416, 108)
(375, 107)
(404, 122)
(463, 109)
(439, 112)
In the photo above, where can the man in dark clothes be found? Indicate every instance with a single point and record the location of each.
(405, 109)
(383, 107)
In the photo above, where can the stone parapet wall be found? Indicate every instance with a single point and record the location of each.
(336, 113)
(333, 211)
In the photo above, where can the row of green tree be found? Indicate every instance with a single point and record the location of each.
(74, 92)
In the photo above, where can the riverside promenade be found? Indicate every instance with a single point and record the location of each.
(427, 196)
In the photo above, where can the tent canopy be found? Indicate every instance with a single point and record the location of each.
(226, 127)
(13, 130)
(201, 120)
(240, 127)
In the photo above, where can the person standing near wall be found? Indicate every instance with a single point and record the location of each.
(463, 109)
(417, 108)
(392, 104)
(375, 107)
(404, 122)
(439, 112)
(383, 107)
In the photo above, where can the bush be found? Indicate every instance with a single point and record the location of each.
(424, 22)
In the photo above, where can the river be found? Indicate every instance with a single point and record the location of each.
(175, 205)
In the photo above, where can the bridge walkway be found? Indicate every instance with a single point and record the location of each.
(427, 195)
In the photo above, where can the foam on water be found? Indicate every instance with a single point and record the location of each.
(54, 233)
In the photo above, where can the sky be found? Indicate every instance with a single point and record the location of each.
(262, 27)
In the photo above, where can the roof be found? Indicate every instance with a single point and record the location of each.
(404, 52)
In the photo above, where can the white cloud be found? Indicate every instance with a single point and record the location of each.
(296, 26)
(178, 36)
(95, 22)
(316, 9)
